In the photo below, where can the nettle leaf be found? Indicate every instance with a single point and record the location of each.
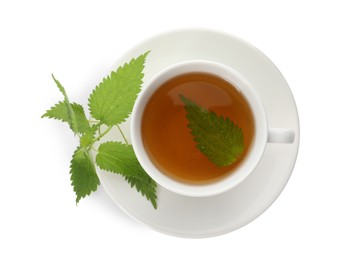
(83, 174)
(120, 158)
(71, 115)
(60, 112)
(113, 99)
(88, 137)
(110, 103)
(146, 186)
(218, 138)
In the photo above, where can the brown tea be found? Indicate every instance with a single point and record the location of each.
(168, 140)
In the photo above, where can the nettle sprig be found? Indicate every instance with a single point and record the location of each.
(110, 104)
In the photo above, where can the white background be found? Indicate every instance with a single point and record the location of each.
(79, 41)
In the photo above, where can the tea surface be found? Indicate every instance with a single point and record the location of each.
(167, 138)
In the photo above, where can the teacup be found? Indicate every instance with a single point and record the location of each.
(263, 133)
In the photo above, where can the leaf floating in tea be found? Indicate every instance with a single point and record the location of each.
(217, 137)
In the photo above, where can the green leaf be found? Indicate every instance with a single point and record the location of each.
(83, 174)
(120, 158)
(71, 116)
(110, 103)
(88, 137)
(60, 112)
(218, 138)
(113, 99)
(147, 187)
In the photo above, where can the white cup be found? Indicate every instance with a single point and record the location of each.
(263, 134)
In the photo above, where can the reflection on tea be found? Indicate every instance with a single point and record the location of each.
(166, 137)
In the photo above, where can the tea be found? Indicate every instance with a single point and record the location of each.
(168, 140)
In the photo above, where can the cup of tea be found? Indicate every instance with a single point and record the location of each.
(163, 142)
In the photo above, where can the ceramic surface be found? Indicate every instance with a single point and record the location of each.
(210, 216)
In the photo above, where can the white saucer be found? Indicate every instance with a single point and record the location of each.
(204, 217)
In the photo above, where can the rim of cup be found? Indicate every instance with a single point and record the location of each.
(251, 159)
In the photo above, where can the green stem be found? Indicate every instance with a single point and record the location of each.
(93, 148)
(120, 130)
(102, 134)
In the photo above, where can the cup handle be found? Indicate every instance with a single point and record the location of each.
(281, 135)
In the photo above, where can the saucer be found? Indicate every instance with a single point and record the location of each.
(210, 216)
